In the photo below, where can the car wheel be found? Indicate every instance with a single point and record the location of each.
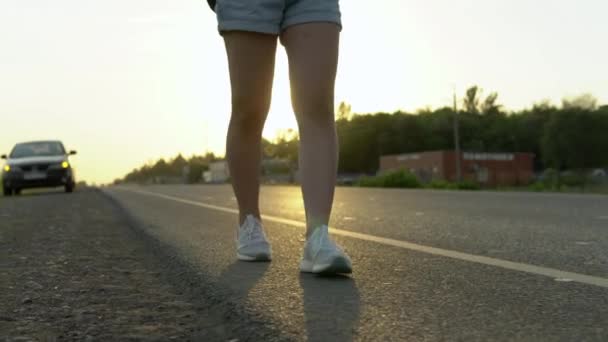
(7, 191)
(69, 188)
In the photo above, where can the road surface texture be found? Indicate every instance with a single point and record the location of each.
(157, 263)
(72, 269)
(428, 265)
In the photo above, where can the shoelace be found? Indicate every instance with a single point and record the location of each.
(253, 229)
(323, 241)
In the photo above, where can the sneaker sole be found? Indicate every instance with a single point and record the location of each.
(306, 266)
(339, 265)
(257, 257)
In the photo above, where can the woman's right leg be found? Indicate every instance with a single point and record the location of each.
(312, 49)
(251, 58)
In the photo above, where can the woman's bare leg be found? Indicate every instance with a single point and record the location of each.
(251, 58)
(312, 50)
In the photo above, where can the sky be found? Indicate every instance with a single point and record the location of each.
(125, 82)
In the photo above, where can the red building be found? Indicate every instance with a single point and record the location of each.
(490, 169)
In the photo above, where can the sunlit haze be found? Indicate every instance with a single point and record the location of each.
(125, 82)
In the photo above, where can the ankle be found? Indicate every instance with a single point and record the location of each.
(311, 229)
(243, 217)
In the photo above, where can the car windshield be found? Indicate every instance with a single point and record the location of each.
(37, 149)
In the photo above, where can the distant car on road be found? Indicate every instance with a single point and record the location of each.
(37, 164)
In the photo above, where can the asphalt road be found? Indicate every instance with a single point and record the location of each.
(428, 265)
(73, 269)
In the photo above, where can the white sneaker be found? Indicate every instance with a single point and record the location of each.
(251, 243)
(323, 256)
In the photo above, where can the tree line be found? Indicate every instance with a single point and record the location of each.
(571, 136)
(174, 168)
(191, 170)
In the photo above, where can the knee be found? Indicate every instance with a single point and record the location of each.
(248, 114)
(315, 110)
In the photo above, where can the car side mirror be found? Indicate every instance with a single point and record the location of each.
(3, 156)
(72, 152)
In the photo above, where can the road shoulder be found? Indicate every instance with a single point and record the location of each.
(73, 268)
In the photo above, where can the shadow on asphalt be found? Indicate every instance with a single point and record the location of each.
(49, 192)
(242, 276)
(43, 192)
(331, 307)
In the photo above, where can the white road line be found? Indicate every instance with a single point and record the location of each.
(509, 265)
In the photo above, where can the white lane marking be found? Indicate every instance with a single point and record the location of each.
(602, 217)
(478, 259)
(564, 280)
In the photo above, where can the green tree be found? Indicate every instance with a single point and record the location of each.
(471, 100)
(584, 101)
(575, 139)
(177, 165)
(344, 111)
(490, 105)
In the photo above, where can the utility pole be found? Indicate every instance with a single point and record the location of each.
(457, 140)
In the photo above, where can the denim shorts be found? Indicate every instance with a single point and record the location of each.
(274, 16)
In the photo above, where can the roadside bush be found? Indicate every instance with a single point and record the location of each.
(467, 185)
(398, 179)
(549, 179)
(573, 179)
(440, 184)
(369, 182)
(405, 179)
(538, 187)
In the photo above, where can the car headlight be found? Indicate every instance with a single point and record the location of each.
(7, 168)
(60, 166)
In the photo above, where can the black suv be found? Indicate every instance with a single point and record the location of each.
(37, 164)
